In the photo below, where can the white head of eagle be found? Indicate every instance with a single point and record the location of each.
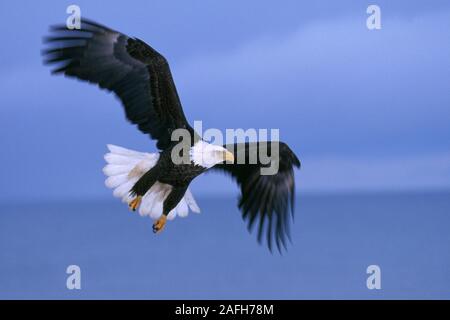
(208, 155)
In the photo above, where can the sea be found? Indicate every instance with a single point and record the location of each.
(383, 245)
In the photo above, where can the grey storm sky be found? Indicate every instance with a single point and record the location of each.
(364, 110)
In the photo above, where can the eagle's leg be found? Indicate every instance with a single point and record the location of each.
(169, 203)
(160, 223)
(134, 204)
(141, 187)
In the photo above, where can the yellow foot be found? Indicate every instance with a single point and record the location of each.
(134, 204)
(159, 224)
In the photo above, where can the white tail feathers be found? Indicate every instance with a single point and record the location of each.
(125, 167)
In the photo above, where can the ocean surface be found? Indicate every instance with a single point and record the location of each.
(212, 255)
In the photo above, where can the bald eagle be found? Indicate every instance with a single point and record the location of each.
(152, 182)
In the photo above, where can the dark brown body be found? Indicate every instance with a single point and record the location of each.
(179, 176)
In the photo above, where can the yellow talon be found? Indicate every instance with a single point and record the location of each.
(134, 204)
(159, 224)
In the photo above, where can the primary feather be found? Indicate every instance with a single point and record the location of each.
(265, 198)
(134, 71)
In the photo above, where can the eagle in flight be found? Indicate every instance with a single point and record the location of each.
(153, 183)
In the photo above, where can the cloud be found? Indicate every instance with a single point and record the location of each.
(354, 174)
(417, 172)
(362, 109)
(334, 83)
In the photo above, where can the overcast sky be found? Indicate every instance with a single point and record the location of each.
(363, 109)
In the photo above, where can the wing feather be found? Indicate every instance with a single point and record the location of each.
(138, 75)
(265, 198)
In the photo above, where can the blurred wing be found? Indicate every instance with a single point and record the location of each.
(130, 68)
(266, 198)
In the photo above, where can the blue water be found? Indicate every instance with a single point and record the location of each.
(212, 255)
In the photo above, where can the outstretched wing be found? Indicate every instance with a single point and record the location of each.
(130, 68)
(266, 198)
